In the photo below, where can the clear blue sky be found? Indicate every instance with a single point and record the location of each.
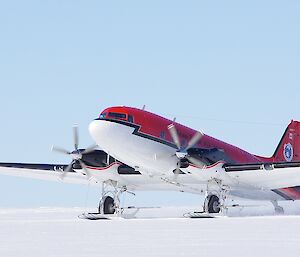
(229, 68)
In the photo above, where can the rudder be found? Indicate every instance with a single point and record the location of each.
(288, 149)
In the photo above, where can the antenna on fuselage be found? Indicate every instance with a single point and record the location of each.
(174, 119)
(144, 107)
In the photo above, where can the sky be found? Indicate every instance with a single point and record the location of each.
(228, 68)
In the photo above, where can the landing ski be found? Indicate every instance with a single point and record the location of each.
(201, 215)
(94, 216)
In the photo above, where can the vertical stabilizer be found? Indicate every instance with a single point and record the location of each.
(288, 149)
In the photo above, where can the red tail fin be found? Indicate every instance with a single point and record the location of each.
(288, 148)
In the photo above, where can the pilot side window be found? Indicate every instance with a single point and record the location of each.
(102, 116)
(130, 119)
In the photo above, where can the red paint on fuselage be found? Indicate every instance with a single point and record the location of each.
(156, 126)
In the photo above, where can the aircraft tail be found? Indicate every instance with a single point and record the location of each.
(288, 149)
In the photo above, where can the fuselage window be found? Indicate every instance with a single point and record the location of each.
(118, 116)
(130, 119)
(162, 135)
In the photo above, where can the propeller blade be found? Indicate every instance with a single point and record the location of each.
(196, 162)
(84, 167)
(174, 135)
(195, 139)
(75, 137)
(76, 155)
(60, 150)
(90, 149)
(68, 169)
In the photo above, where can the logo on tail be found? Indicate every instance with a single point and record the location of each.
(288, 152)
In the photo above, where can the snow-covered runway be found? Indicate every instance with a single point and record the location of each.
(46, 232)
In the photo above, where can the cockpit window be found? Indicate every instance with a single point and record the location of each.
(130, 119)
(116, 115)
(102, 116)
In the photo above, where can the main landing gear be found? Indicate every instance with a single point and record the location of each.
(278, 209)
(110, 198)
(216, 195)
(214, 203)
(109, 205)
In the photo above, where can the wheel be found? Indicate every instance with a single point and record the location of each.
(107, 205)
(212, 204)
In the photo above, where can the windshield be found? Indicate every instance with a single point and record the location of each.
(116, 116)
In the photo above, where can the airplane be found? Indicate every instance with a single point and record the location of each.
(142, 151)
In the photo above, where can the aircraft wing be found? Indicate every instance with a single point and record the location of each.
(50, 172)
(266, 176)
(257, 176)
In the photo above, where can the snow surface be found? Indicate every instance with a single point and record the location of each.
(45, 232)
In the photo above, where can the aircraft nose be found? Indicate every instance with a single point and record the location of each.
(114, 138)
(93, 127)
(96, 129)
(104, 133)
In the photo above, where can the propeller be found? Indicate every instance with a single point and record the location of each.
(76, 155)
(182, 152)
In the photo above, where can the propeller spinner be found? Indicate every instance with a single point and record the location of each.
(182, 152)
(76, 155)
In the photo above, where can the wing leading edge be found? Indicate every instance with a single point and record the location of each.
(50, 172)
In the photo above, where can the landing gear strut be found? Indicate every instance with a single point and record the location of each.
(109, 205)
(278, 209)
(216, 195)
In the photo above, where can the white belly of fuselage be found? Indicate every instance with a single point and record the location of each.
(141, 153)
(156, 161)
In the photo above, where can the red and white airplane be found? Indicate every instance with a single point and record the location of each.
(144, 151)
